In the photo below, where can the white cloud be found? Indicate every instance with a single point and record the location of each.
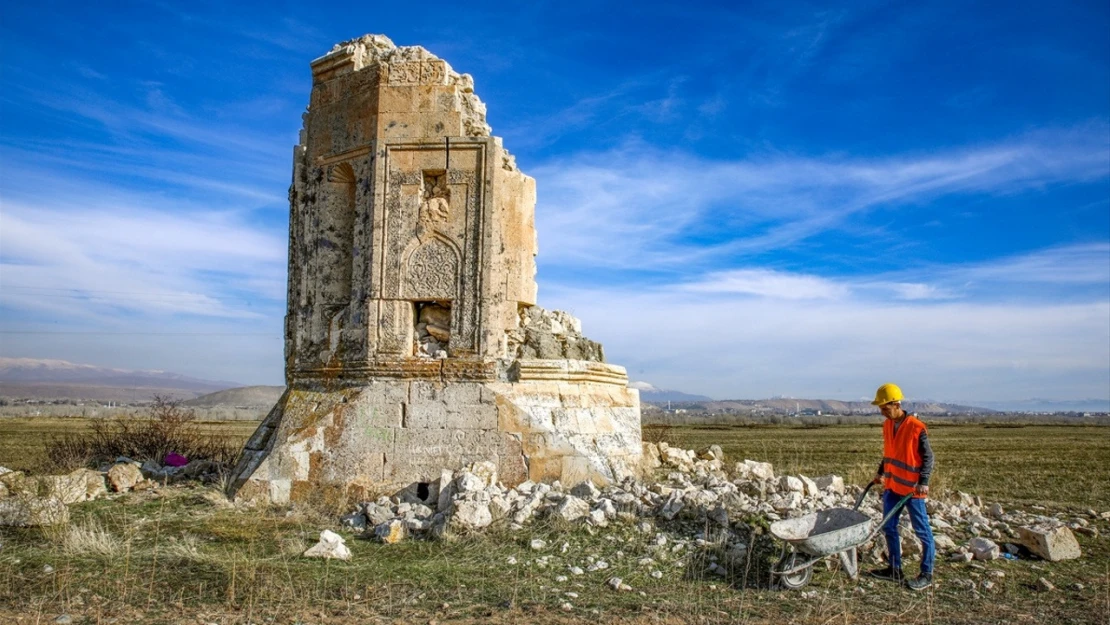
(768, 283)
(642, 208)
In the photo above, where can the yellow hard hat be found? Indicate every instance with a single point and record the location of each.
(886, 394)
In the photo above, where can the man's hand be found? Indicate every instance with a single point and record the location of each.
(921, 489)
(878, 480)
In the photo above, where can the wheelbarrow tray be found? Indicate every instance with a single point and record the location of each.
(824, 532)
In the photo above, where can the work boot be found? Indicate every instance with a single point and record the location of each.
(891, 573)
(921, 582)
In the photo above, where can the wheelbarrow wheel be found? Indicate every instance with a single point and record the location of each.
(797, 579)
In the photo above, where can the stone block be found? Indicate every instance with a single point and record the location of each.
(457, 394)
(426, 415)
(424, 391)
(1051, 542)
(31, 511)
(472, 417)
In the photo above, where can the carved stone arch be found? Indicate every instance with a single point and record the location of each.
(431, 270)
(342, 172)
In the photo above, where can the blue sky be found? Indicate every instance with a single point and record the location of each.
(738, 199)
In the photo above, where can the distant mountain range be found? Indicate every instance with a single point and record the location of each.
(59, 379)
(655, 395)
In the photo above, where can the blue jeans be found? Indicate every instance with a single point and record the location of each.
(920, 521)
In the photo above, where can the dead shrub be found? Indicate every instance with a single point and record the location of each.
(657, 433)
(167, 428)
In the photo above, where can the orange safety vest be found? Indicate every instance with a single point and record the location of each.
(902, 461)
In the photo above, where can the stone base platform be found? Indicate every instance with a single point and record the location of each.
(564, 420)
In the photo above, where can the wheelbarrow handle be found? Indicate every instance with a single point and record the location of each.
(893, 511)
(859, 500)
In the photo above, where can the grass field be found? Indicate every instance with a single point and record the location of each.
(181, 555)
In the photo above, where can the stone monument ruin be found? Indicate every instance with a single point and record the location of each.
(413, 342)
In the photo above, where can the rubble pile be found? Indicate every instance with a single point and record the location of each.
(41, 500)
(697, 495)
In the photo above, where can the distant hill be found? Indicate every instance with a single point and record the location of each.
(785, 406)
(651, 394)
(244, 397)
(35, 378)
(1051, 405)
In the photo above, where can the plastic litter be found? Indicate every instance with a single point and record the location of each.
(174, 459)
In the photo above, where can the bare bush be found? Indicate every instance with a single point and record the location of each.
(167, 428)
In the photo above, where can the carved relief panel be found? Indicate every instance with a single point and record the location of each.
(431, 241)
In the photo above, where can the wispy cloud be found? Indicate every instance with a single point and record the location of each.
(667, 207)
(1076, 272)
(139, 258)
(768, 283)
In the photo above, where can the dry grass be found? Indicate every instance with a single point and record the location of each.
(181, 555)
(90, 538)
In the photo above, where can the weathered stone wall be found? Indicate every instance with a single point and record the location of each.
(572, 421)
(413, 343)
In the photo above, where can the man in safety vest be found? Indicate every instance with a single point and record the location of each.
(905, 469)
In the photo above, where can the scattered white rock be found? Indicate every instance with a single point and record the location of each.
(331, 546)
(572, 508)
(983, 548)
(618, 584)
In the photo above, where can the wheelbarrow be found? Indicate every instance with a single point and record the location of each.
(809, 538)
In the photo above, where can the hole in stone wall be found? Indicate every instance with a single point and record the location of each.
(422, 491)
(432, 338)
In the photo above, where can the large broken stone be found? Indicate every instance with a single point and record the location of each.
(830, 483)
(470, 515)
(330, 547)
(123, 476)
(983, 548)
(756, 470)
(1051, 542)
(391, 532)
(572, 508)
(29, 511)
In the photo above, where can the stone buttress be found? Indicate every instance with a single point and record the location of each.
(412, 340)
